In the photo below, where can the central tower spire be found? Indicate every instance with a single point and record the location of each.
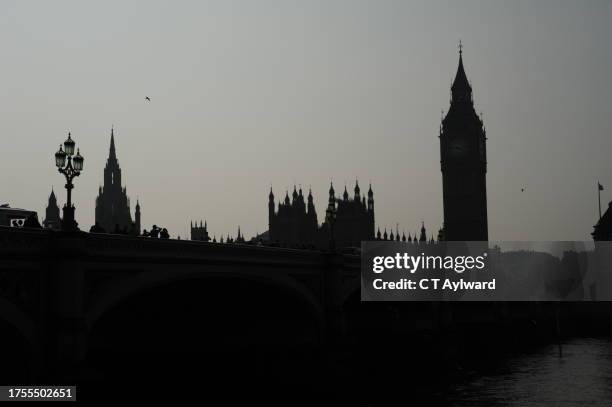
(112, 154)
(461, 89)
(112, 204)
(112, 171)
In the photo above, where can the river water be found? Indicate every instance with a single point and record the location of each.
(582, 376)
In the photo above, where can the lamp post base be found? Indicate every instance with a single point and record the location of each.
(68, 222)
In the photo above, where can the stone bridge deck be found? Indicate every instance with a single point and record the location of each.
(74, 279)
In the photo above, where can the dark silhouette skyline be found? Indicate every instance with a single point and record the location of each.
(359, 98)
(295, 223)
(251, 94)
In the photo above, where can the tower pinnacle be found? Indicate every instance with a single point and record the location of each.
(112, 153)
(461, 84)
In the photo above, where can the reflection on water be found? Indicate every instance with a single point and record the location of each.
(583, 376)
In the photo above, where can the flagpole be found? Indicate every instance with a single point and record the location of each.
(599, 197)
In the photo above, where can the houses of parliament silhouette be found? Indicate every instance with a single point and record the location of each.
(293, 221)
(463, 165)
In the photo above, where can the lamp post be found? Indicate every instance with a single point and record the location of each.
(331, 219)
(71, 167)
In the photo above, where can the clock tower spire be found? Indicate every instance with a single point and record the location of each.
(464, 164)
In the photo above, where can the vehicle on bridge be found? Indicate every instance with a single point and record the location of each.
(14, 217)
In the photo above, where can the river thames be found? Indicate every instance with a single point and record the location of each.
(581, 376)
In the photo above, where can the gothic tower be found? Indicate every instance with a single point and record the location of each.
(312, 213)
(270, 209)
(464, 165)
(112, 204)
(199, 232)
(52, 213)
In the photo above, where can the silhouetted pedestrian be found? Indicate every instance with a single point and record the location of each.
(164, 234)
(155, 231)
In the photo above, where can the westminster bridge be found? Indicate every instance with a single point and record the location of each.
(66, 295)
(85, 305)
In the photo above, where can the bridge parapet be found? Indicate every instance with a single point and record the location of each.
(186, 251)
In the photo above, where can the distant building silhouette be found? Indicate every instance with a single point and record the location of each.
(137, 218)
(239, 237)
(423, 236)
(52, 213)
(112, 203)
(464, 165)
(199, 232)
(603, 228)
(354, 217)
(421, 239)
(295, 222)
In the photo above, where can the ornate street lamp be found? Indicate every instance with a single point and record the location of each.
(71, 167)
(330, 216)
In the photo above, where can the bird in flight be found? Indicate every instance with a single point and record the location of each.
(147, 98)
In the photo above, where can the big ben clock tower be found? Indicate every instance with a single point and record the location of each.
(464, 165)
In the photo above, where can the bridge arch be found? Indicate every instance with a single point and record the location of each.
(124, 288)
(268, 329)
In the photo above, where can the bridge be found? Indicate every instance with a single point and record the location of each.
(66, 296)
(101, 309)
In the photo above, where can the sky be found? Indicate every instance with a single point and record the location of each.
(248, 94)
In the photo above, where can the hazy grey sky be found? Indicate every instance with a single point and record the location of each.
(248, 93)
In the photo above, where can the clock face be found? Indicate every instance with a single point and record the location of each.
(458, 148)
